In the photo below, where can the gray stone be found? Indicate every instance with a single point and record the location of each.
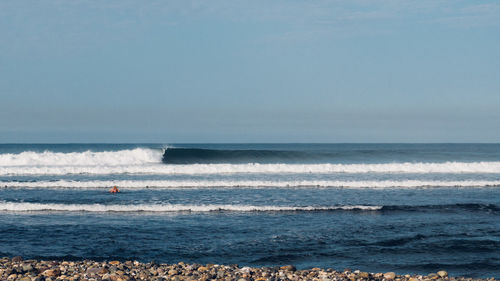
(93, 270)
(27, 267)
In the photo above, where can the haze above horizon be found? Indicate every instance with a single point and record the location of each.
(249, 71)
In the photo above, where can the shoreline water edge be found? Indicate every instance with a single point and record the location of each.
(17, 269)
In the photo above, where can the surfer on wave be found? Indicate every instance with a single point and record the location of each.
(114, 190)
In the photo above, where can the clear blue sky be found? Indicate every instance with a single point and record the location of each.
(249, 71)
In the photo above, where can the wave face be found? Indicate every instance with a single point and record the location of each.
(330, 153)
(205, 156)
(471, 207)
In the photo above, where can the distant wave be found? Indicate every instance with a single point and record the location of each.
(135, 156)
(172, 184)
(166, 208)
(204, 169)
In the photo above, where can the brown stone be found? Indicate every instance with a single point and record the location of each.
(433, 276)
(288, 268)
(202, 268)
(389, 275)
(364, 274)
(51, 272)
(17, 259)
(114, 262)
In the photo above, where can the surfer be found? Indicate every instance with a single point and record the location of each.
(114, 189)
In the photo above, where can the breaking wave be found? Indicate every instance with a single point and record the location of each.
(169, 208)
(159, 161)
(135, 156)
(173, 184)
(175, 208)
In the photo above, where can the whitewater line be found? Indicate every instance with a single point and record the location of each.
(174, 184)
(166, 208)
(207, 169)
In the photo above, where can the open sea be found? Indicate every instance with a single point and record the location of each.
(408, 208)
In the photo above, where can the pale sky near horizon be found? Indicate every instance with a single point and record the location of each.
(249, 71)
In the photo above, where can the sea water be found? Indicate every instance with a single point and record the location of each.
(408, 208)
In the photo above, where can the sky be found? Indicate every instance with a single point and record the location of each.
(249, 71)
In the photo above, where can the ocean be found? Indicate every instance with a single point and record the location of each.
(408, 208)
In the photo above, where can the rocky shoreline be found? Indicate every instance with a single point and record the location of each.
(17, 269)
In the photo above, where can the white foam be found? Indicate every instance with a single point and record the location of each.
(175, 184)
(157, 208)
(203, 169)
(135, 156)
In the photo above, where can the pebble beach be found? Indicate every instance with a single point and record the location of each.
(18, 269)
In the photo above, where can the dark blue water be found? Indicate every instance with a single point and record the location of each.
(374, 207)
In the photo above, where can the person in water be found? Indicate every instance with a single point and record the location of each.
(114, 189)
